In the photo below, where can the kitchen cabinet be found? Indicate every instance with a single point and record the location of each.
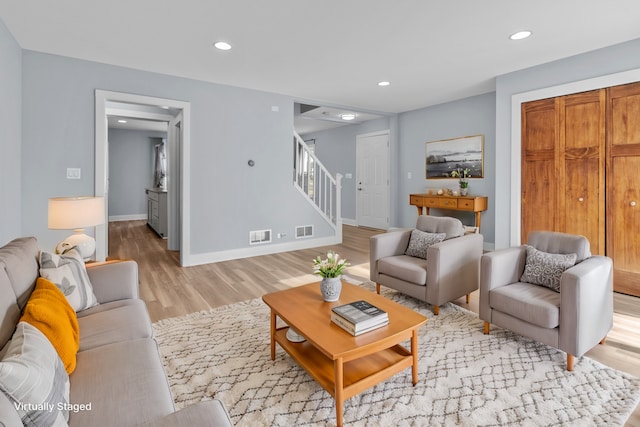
(157, 211)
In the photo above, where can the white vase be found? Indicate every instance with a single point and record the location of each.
(330, 287)
(464, 191)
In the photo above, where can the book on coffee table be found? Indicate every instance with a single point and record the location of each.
(359, 316)
(360, 312)
(357, 329)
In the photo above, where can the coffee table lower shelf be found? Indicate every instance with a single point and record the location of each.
(357, 375)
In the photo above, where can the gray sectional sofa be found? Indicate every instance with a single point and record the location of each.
(119, 372)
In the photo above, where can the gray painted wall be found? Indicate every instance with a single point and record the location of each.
(10, 136)
(229, 126)
(602, 62)
(131, 165)
(469, 116)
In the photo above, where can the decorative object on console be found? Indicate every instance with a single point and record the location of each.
(330, 269)
(463, 176)
(76, 213)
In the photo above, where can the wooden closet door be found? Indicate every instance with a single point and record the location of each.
(623, 186)
(582, 164)
(563, 166)
(540, 133)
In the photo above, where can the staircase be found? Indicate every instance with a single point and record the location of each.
(316, 184)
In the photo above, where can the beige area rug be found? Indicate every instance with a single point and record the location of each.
(466, 378)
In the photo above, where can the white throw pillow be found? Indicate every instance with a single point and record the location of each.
(33, 377)
(69, 274)
(420, 241)
(545, 269)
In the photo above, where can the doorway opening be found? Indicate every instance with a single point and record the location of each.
(177, 116)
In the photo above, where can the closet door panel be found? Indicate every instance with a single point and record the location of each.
(582, 213)
(582, 162)
(539, 198)
(624, 204)
(623, 186)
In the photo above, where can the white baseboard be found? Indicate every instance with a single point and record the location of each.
(349, 221)
(134, 217)
(267, 249)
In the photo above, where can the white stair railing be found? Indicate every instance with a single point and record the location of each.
(316, 183)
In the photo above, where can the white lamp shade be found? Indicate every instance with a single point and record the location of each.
(70, 213)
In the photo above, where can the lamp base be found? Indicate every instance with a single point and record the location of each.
(86, 245)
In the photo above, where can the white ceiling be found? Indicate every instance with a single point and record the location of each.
(329, 52)
(122, 115)
(312, 118)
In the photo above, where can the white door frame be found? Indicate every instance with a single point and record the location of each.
(388, 160)
(174, 196)
(102, 97)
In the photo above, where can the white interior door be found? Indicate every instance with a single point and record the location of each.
(372, 184)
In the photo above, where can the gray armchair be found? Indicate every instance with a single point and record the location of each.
(451, 268)
(573, 319)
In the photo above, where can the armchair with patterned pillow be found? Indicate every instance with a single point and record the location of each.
(436, 262)
(551, 290)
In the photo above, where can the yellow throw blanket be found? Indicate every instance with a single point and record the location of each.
(50, 312)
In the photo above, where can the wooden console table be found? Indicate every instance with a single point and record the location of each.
(476, 204)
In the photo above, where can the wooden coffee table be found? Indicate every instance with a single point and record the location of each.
(342, 364)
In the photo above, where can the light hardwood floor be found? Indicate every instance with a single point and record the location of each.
(170, 290)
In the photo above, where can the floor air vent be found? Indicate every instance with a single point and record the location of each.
(304, 231)
(259, 236)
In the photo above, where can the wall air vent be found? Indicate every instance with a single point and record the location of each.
(304, 231)
(259, 236)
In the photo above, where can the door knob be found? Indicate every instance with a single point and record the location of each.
(581, 199)
(359, 189)
(633, 203)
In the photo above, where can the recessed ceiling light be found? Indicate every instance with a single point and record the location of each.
(165, 107)
(222, 45)
(384, 83)
(122, 121)
(347, 116)
(520, 35)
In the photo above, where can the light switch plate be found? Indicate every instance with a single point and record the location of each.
(73, 173)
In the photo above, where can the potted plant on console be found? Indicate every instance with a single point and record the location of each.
(463, 176)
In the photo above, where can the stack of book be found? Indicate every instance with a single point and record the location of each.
(359, 317)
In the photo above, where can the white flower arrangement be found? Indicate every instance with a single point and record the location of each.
(463, 176)
(332, 266)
